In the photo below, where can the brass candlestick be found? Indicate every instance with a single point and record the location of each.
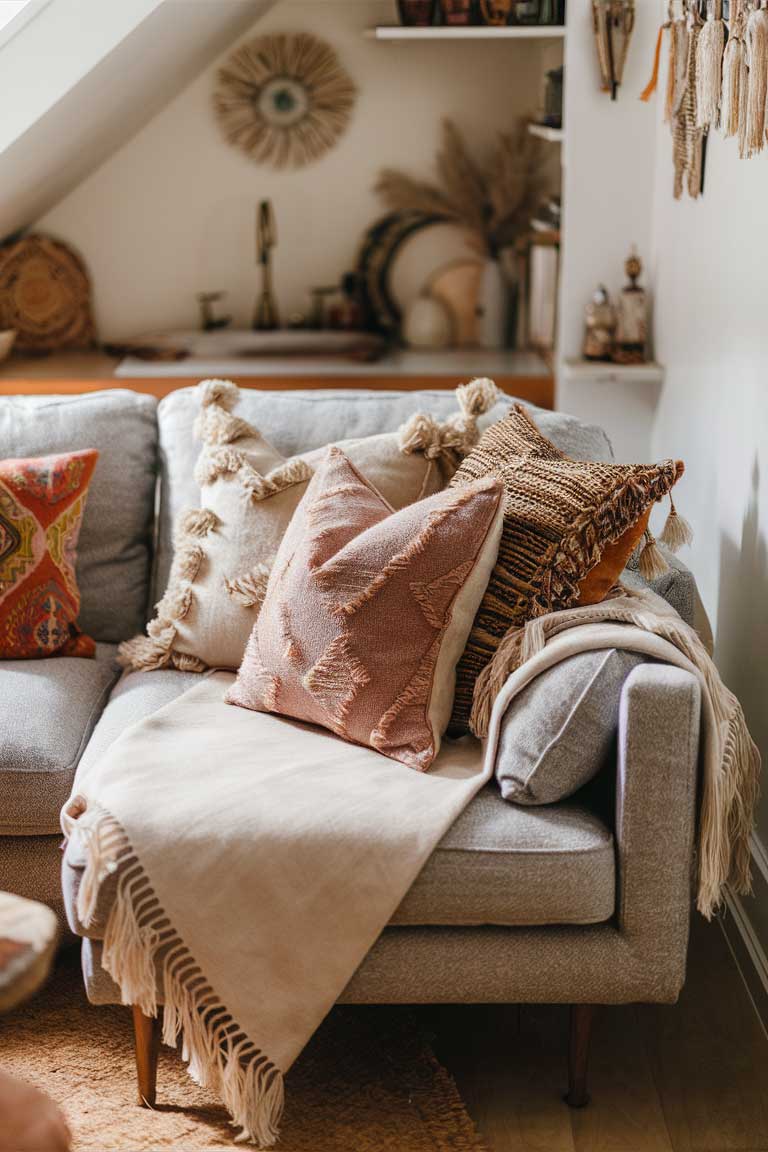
(265, 316)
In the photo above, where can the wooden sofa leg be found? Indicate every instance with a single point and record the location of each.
(146, 1034)
(578, 1054)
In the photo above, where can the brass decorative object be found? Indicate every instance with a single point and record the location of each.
(614, 21)
(265, 316)
(284, 100)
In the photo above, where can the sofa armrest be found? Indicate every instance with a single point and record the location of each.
(656, 810)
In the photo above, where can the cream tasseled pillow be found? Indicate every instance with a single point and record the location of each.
(367, 610)
(249, 492)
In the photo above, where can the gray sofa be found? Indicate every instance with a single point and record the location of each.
(586, 901)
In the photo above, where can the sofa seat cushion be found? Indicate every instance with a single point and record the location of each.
(500, 864)
(48, 708)
(503, 864)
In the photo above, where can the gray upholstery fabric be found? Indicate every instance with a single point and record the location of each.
(677, 586)
(48, 709)
(639, 956)
(113, 555)
(558, 732)
(499, 864)
(297, 421)
(30, 866)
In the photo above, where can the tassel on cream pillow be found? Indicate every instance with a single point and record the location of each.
(249, 492)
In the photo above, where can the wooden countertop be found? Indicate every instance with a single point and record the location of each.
(522, 374)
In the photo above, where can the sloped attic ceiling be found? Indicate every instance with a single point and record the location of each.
(132, 58)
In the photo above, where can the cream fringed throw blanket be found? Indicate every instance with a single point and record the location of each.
(260, 858)
(643, 622)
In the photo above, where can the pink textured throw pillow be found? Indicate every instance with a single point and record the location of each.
(367, 611)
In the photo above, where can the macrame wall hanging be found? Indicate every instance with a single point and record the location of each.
(717, 79)
(284, 100)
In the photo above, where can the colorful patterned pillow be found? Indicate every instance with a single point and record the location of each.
(367, 611)
(249, 491)
(569, 528)
(41, 508)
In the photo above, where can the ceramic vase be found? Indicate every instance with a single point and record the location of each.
(427, 323)
(492, 306)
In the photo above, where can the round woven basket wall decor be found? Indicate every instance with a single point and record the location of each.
(284, 99)
(45, 295)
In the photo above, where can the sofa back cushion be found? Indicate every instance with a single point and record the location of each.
(113, 553)
(298, 421)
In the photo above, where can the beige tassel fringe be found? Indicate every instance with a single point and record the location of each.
(250, 588)
(456, 436)
(142, 950)
(651, 564)
(743, 102)
(730, 102)
(757, 59)
(730, 782)
(677, 532)
(734, 52)
(709, 75)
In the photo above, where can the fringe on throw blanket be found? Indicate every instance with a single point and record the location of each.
(142, 952)
(730, 785)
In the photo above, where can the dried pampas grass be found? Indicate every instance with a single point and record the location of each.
(493, 203)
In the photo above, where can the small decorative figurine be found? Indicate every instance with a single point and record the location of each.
(600, 326)
(632, 325)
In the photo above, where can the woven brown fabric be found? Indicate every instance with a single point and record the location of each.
(559, 516)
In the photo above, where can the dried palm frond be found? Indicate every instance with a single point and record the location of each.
(516, 182)
(493, 204)
(464, 184)
(401, 193)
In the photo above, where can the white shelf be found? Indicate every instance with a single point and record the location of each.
(466, 32)
(544, 132)
(602, 372)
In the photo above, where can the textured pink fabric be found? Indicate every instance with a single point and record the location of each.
(358, 605)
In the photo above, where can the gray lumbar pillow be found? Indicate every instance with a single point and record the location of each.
(558, 732)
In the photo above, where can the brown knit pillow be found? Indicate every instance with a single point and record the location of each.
(560, 516)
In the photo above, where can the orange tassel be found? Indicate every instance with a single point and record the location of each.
(652, 84)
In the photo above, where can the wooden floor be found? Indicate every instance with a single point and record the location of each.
(688, 1078)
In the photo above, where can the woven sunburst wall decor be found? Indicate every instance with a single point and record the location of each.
(284, 99)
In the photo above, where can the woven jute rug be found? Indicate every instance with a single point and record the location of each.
(368, 1082)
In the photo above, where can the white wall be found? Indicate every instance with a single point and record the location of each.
(172, 213)
(607, 196)
(711, 334)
